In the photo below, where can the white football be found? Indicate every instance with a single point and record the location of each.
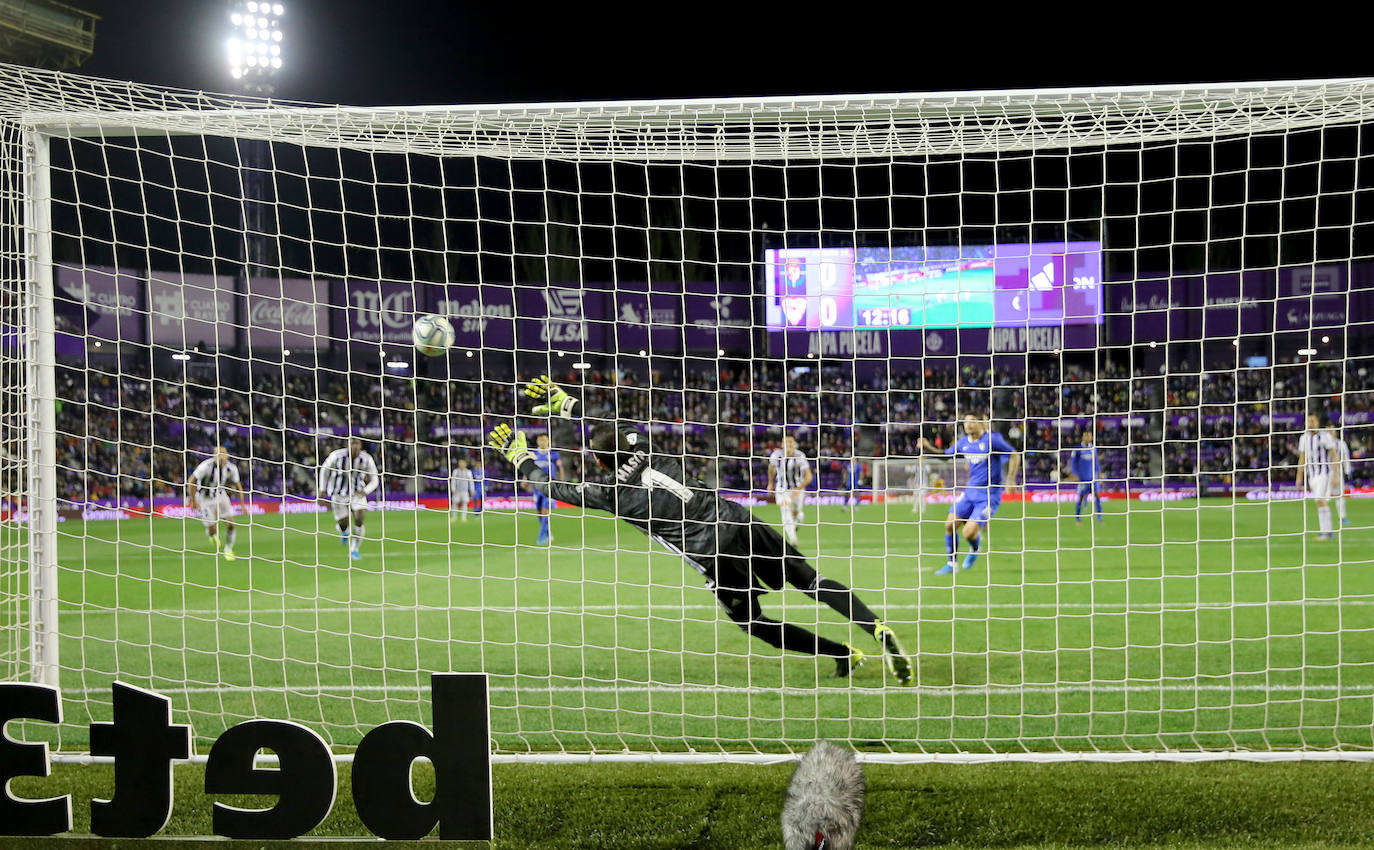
(433, 335)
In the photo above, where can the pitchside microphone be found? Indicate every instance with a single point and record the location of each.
(825, 801)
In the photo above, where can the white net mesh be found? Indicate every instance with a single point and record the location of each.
(244, 273)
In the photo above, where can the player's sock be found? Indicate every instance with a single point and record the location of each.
(1078, 507)
(230, 535)
(1324, 518)
(949, 544)
(974, 544)
(793, 638)
(843, 601)
(355, 540)
(1340, 509)
(543, 526)
(214, 540)
(1097, 501)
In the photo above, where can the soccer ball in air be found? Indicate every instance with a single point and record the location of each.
(433, 335)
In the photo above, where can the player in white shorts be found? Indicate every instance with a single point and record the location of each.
(1317, 457)
(1341, 471)
(207, 492)
(460, 490)
(347, 476)
(789, 473)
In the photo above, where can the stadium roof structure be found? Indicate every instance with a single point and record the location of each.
(709, 129)
(46, 33)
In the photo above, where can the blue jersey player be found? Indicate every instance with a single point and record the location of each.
(1083, 465)
(551, 462)
(986, 452)
(853, 475)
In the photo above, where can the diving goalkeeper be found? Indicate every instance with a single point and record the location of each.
(740, 556)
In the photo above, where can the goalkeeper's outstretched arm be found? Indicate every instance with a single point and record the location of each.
(515, 447)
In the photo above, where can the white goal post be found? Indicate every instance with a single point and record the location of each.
(1174, 276)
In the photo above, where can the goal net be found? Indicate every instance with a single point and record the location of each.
(1143, 291)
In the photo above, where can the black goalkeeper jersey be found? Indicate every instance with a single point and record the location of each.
(656, 496)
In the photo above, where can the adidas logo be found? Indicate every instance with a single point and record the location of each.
(1044, 279)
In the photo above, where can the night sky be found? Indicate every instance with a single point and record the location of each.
(369, 52)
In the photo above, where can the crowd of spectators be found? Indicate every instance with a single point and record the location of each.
(123, 436)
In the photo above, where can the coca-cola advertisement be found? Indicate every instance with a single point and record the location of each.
(187, 310)
(287, 313)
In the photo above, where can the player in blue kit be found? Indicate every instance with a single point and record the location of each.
(853, 474)
(551, 462)
(986, 452)
(1083, 465)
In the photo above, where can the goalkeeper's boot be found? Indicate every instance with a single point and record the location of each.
(969, 560)
(846, 664)
(947, 568)
(893, 653)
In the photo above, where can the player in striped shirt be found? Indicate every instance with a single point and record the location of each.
(460, 490)
(1317, 457)
(789, 474)
(1341, 471)
(347, 476)
(207, 492)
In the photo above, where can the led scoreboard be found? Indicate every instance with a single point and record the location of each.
(946, 286)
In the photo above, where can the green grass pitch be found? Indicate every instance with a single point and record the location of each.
(1211, 623)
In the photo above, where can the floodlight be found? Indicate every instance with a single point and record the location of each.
(469, 352)
(252, 5)
(1326, 339)
(276, 62)
(252, 35)
(581, 366)
(1307, 352)
(181, 356)
(236, 18)
(276, 35)
(286, 352)
(397, 364)
(642, 352)
(278, 10)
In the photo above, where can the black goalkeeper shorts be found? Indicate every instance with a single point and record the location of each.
(761, 561)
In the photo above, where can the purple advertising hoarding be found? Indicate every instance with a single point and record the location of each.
(374, 312)
(923, 287)
(104, 303)
(287, 313)
(482, 316)
(187, 310)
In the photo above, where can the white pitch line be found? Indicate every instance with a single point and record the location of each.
(369, 607)
(734, 690)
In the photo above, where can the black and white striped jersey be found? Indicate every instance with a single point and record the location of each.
(1343, 458)
(789, 470)
(210, 478)
(343, 476)
(1319, 452)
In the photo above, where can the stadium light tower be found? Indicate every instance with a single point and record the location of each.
(254, 47)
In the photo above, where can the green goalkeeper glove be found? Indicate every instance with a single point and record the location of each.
(511, 443)
(553, 400)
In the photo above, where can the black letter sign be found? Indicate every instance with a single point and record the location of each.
(460, 749)
(143, 742)
(29, 817)
(304, 780)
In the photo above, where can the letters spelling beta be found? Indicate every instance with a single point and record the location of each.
(143, 742)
